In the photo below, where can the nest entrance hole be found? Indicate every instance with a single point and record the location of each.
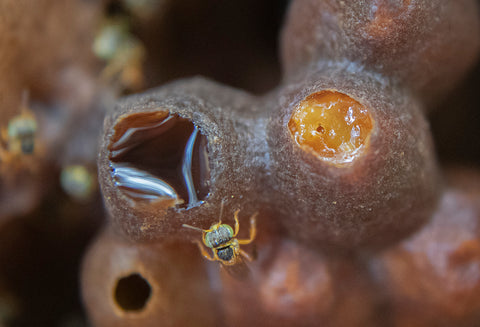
(132, 292)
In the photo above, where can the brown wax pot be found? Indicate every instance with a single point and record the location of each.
(433, 276)
(303, 191)
(337, 164)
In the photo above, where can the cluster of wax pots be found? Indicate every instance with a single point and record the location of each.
(337, 163)
(162, 157)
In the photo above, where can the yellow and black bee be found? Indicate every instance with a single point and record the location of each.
(221, 239)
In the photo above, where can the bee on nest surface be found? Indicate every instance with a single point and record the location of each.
(221, 239)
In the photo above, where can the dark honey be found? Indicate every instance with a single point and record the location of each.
(157, 156)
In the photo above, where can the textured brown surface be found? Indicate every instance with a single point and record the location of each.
(356, 204)
(307, 205)
(291, 285)
(210, 106)
(36, 51)
(433, 277)
(426, 45)
(180, 294)
(317, 222)
(40, 58)
(362, 202)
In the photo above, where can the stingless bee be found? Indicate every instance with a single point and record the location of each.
(123, 52)
(21, 130)
(221, 239)
(18, 146)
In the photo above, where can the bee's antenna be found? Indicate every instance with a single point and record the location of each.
(221, 211)
(25, 98)
(192, 227)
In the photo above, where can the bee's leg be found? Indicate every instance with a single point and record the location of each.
(5, 155)
(246, 255)
(237, 225)
(204, 252)
(131, 75)
(6, 160)
(4, 135)
(112, 72)
(253, 230)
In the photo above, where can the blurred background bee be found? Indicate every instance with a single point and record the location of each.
(221, 239)
(123, 53)
(18, 140)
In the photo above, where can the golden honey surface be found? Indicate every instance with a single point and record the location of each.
(331, 125)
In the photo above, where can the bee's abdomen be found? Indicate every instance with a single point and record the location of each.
(28, 145)
(225, 254)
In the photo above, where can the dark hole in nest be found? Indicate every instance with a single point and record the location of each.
(132, 292)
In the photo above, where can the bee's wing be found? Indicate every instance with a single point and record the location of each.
(239, 270)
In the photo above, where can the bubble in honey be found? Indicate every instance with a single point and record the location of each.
(332, 126)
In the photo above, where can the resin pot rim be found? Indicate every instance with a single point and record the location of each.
(227, 142)
(299, 116)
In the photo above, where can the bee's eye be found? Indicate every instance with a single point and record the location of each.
(228, 230)
(207, 241)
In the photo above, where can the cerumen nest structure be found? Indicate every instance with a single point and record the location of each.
(356, 226)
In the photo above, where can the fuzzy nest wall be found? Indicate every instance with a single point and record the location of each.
(347, 152)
